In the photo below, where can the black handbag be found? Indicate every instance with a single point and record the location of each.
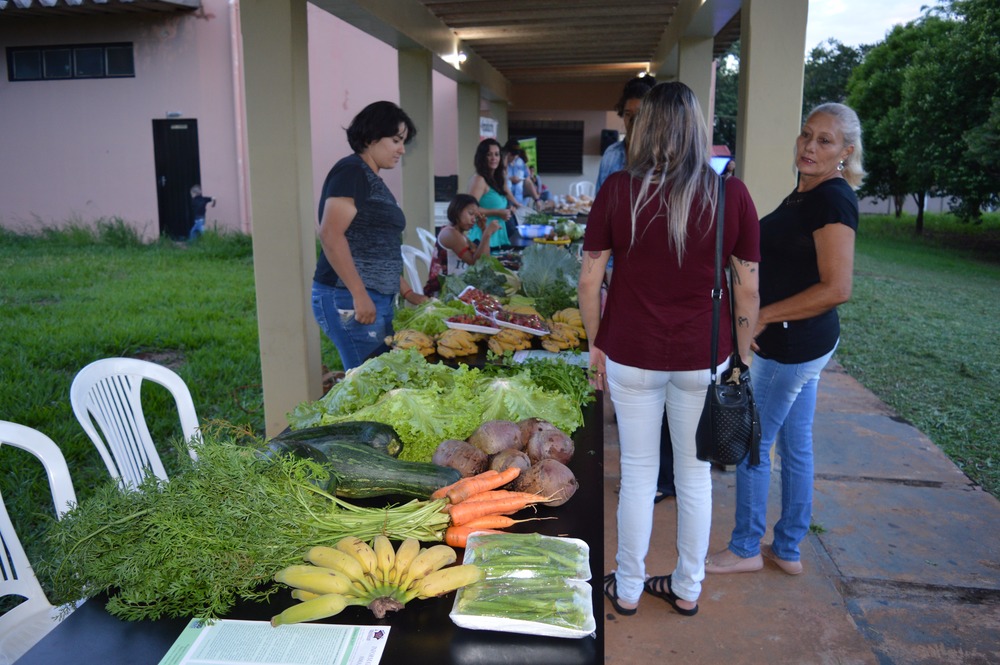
(729, 428)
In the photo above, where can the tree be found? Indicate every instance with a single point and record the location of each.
(895, 155)
(827, 71)
(727, 78)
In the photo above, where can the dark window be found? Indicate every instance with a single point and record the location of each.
(89, 62)
(120, 61)
(560, 143)
(68, 61)
(58, 63)
(24, 65)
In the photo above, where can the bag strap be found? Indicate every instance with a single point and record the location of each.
(720, 224)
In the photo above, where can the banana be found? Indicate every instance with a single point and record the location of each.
(302, 594)
(320, 607)
(427, 562)
(335, 559)
(315, 579)
(385, 557)
(405, 554)
(361, 551)
(442, 581)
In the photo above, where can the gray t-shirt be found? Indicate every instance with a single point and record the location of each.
(376, 233)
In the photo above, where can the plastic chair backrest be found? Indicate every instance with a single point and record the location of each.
(22, 626)
(410, 256)
(428, 241)
(107, 392)
(582, 188)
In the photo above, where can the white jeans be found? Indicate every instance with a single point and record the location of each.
(639, 396)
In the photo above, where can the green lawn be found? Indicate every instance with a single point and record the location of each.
(920, 332)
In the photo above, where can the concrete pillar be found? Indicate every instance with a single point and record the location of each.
(416, 97)
(770, 97)
(498, 111)
(276, 75)
(695, 69)
(468, 132)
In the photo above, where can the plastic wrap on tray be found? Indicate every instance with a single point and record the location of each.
(532, 584)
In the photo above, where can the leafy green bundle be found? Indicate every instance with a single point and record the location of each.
(429, 317)
(215, 533)
(427, 403)
(549, 274)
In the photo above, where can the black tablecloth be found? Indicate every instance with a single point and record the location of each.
(421, 633)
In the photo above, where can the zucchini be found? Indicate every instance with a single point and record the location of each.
(362, 472)
(379, 436)
(359, 471)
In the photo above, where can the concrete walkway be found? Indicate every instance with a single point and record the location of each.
(903, 567)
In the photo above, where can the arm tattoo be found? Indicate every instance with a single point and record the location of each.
(742, 322)
(594, 255)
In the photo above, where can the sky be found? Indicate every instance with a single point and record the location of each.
(856, 22)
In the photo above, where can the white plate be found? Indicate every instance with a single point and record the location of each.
(471, 327)
(524, 329)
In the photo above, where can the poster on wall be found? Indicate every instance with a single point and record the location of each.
(530, 148)
(488, 128)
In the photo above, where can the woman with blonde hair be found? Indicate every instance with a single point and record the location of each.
(807, 250)
(650, 346)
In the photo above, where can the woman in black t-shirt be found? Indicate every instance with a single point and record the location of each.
(807, 258)
(358, 273)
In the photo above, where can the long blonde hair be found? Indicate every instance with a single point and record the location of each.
(669, 152)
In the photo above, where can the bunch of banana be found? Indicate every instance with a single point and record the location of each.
(454, 342)
(561, 336)
(411, 339)
(509, 339)
(383, 579)
(571, 315)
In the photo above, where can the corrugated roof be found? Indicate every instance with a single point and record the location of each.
(52, 8)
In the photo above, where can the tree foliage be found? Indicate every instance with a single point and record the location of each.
(727, 80)
(928, 101)
(827, 71)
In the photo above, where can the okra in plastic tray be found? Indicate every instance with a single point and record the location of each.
(531, 584)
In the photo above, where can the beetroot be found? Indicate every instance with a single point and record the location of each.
(508, 458)
(548, 442)
(551, 479)
(461, 456)
(495, 435)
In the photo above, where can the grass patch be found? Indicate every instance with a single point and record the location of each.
(73, 295)
(921, 332)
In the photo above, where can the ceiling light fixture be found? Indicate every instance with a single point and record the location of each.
(455, 59)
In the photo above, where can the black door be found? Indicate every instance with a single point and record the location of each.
(175, 151)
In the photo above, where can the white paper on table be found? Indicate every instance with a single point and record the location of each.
(234, 642)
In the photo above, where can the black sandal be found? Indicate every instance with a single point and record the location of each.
(659, 586)
(612, 594)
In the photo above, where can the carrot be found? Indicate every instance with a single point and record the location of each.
(467, 511)
(443, 492)
(482, 483)
(492, 495)
(458, 536)
(498, 522)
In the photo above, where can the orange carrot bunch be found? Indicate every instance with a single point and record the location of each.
(478, 505)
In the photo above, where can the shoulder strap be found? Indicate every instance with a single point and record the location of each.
(720, 223)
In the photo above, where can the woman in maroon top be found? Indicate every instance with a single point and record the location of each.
(650, 347)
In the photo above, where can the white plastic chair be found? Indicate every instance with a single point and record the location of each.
(582, 188)
(23, 626)
(107, 392)
(410, 257)
(428, 241)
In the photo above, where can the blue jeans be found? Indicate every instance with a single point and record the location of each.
(786, 402)
(639, 396)
(333, 308)
(197, 229)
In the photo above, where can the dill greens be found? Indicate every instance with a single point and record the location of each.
(214, 534)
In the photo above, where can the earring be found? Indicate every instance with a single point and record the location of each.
(840, 167)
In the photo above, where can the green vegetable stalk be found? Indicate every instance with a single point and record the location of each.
(214, 534)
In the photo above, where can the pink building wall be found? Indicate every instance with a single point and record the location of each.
(80, 150)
